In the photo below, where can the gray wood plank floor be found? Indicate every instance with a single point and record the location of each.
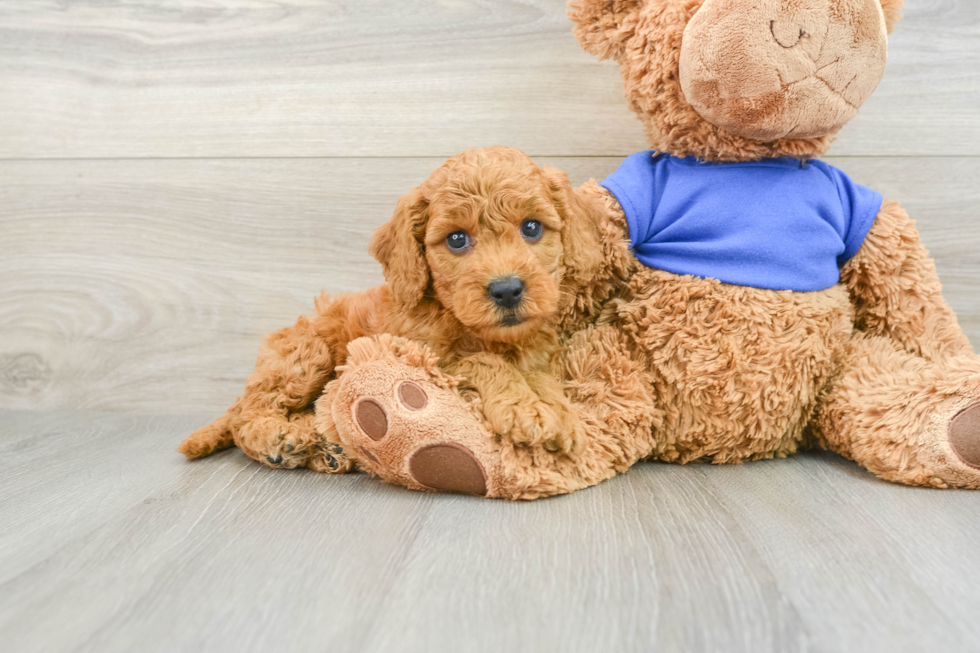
(111, 542)
(177, 179)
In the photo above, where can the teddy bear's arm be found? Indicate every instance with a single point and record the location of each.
(896, 291)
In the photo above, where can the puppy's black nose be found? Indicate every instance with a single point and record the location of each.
(506, 292)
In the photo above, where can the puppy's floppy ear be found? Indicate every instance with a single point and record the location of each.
(581, 218)
(893, 13)
(602, 27)
(398, 246)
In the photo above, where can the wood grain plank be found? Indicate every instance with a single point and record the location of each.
(892, 557)
(645, 562)
(226, 538)
(65, 481)
(118, 544)
(147, 285)
(239, 78)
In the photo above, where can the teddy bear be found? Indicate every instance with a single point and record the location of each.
(755, 300)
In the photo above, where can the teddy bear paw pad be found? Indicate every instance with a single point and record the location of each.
(964, 435)
(412, 396)
(449, 467)
(413, 430)
(371, 417)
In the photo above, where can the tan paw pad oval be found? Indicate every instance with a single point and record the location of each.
(964, 435)
(449, 467)
(412, 396)
(371, 418)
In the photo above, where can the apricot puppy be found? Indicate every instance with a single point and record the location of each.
(480, 262)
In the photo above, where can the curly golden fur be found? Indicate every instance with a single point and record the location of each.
(439, 297)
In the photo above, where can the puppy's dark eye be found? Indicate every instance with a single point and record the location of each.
(531, 229)
(457, 241)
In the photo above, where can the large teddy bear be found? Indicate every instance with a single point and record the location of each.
(772, 303)
(745, 300)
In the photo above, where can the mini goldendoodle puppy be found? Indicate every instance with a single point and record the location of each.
(483, 262)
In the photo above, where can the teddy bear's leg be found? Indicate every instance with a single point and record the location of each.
(409, 423)
(406, 421)
(896, 291)
(903, 417)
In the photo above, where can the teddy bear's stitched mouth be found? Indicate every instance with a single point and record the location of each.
(839, 94)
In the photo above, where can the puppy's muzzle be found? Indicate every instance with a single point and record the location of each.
(506, 292)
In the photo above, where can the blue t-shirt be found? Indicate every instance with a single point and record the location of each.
(777, 223)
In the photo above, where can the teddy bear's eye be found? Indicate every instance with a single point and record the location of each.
(531, 229)
(457, 241)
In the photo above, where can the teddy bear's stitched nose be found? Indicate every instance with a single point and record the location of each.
(787, 33)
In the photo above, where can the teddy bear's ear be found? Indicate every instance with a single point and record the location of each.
(602, 27)
(398, 246)
(893, 12)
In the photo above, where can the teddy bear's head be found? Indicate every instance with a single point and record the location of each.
(737, 80)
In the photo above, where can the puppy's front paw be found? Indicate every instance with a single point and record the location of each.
(536, 423)
(512, 418)
(569, 436)
(330, 458)
(533, 421)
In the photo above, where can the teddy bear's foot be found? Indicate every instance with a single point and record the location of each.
(964, 435)
(905, 418)
(405, 422)
(447, 466)
(950, 442)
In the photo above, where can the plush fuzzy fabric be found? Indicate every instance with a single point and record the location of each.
(782, 70)
(896, 291)
(647, 38)
(893, 13)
